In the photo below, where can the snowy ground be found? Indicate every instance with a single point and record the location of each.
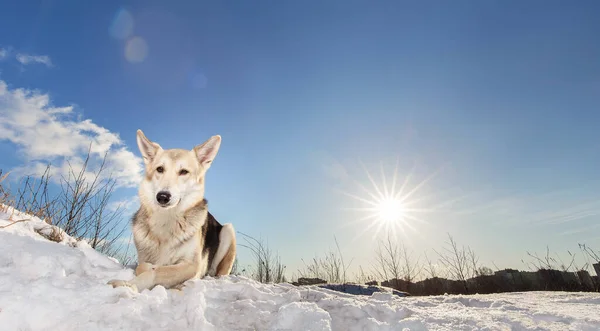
(51, 286)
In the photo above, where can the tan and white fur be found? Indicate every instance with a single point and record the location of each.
(176, 238)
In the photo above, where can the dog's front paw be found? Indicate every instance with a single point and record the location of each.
(122, 283)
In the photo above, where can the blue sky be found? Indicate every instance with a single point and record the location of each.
(498, 99)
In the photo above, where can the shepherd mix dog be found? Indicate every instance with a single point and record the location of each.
(176, 238)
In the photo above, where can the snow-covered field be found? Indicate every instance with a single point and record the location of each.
(62, 286)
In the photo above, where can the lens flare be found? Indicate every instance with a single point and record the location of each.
(136, 50)
(122, 25)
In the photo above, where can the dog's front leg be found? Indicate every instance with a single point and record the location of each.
(167, 276)
(143, 267)
(171, 275)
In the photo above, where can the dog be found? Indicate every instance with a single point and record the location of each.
(175, 236)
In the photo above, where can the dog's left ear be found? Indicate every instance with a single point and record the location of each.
(208, 150)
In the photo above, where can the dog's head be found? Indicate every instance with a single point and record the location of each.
(174, 177)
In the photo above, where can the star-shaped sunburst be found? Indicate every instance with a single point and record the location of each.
(389, 208)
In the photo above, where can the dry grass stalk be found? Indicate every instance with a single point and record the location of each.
(55, 234)
(15, 222)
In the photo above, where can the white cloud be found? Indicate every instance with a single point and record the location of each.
(44, 133)
(29, 59)
(3, 53)
(128, 205)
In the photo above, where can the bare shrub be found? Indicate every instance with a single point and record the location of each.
(567, 267)
(388, 261)
(589, 253)
(330, 268)
(268, 268)
(4, 193)
(412, 268)
(460, 262)
(475, 268)
(33, 197)
(394, 262)
(80, 208)
(432, 270)
(592, 259)
(363, 277)
(548, 262)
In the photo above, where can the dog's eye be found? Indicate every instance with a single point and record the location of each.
(160, 170)
(183, 172)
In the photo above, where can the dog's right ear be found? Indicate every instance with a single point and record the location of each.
(148, 148)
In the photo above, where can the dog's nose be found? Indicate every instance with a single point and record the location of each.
(163, 197)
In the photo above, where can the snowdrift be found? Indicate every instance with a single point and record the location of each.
(62, 286)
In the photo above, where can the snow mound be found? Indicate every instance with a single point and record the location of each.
(46, 285)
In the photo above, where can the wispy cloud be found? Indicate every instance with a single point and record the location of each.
(589, 229)
(46, 134)
(26, 59)
(540, 209)
(126, 205)
(9, 53)
(329, 166)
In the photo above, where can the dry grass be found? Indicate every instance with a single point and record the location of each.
(330, 268)
(268, 267)
(78, 208)
(4, 193)
(51, 233)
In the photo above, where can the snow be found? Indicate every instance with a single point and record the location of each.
(62, 286)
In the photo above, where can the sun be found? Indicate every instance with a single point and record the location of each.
(390, 210)
(390, 207)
